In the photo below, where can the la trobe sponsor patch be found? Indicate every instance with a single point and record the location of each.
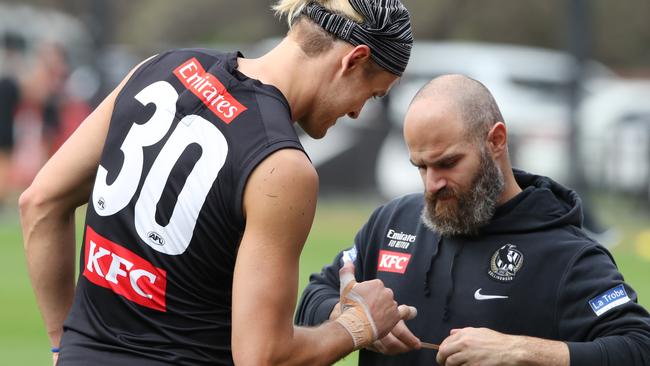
(609, 299)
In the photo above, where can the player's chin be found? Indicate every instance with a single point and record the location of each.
(317, 133)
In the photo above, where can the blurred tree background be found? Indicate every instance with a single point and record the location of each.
(620, 30)
(108, 37)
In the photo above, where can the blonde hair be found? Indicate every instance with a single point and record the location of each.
(292, 9)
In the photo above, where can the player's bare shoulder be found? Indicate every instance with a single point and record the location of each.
(286, 174)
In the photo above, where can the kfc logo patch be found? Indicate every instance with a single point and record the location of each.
(114, 267)
(393, 261)
(209, 90)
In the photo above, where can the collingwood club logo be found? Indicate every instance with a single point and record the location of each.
(505, 263)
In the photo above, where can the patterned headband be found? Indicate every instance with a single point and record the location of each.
(386, 30)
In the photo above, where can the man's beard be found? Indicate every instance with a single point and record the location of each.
(467, 211)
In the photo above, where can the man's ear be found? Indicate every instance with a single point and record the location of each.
(355, 59)
(497, 140)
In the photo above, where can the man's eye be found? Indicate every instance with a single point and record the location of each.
(447, 164)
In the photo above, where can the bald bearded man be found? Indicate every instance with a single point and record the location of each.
(494, 258)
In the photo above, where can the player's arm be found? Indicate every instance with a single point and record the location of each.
(47, 215)
(279, 202)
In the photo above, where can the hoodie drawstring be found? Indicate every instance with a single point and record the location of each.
(450, 293)
(427, 276)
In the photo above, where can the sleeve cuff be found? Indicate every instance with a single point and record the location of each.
(584, 353)
(322, 313)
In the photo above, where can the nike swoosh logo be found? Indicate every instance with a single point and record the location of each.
(479, 296)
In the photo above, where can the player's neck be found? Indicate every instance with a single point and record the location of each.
(287, 68)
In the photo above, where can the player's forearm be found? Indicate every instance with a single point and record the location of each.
(322, 345)
(330, 340)
(48, 236)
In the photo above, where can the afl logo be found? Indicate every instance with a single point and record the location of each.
(101, 203)
(505, 263)
(155, 238)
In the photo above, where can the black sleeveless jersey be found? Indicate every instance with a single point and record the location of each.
(165, 217)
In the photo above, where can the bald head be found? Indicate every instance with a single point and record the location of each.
(456, 138)
(468, 98)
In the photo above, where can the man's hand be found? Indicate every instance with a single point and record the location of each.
(368, 310)
(398, 340)
(473, 346)
(372, 304)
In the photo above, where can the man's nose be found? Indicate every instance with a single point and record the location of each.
(433, 181)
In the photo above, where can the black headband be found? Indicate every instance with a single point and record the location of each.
(386, 30)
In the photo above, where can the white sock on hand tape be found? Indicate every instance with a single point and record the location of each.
(355, 317)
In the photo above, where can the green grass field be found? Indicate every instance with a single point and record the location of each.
(22, 336)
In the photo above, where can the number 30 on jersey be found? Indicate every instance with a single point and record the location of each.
(109, 199)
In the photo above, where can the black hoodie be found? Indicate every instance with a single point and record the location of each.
(530, 271)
